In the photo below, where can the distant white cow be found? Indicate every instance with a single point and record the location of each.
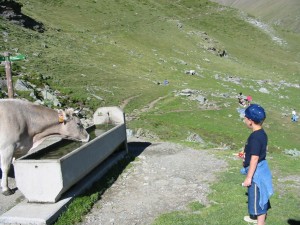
(24, 125)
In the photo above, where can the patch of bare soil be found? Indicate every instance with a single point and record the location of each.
(164, 177)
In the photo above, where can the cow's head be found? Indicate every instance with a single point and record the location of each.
(72, 127)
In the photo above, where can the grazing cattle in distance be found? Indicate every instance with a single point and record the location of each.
(24, 125)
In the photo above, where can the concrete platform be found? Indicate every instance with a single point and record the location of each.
(47, 213)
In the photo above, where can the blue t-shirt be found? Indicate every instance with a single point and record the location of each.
(256, 145)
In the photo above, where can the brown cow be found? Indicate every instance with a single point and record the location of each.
(24, 125)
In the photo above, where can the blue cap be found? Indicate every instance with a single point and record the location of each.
(255, 113)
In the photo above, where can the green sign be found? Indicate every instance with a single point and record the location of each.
(17, 57)
(13, 58)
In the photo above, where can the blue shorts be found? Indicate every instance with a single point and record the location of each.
(253, 201)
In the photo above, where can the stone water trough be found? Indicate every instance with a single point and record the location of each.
(45, 175)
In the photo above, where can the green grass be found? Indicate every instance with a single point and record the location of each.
(229, 202)
(120, 49)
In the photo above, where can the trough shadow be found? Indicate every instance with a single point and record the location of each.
(108, 179)
(136, 148)
(293, 222)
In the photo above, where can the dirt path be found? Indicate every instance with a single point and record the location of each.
(164, 178)
(136, 113)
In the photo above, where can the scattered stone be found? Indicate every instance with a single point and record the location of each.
(186, 92)
(50, 98)
(22, 86)
(292, 152)
(264, 90)
(190, 72)
(266, 28)
(179, 25)
(193, 137)
(201, 99)
(3, 84)
(129, 133)
(142, 133)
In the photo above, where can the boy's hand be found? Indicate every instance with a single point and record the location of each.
(241, 154)
(251, 170)
(247, 182)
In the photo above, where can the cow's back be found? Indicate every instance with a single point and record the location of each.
(13, 119)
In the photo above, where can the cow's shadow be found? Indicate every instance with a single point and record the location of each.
(11, 173)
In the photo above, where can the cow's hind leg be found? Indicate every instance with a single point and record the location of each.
(6, 158)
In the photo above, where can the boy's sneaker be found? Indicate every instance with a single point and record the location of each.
(249, 219)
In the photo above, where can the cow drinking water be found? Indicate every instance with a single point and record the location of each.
(24, 125)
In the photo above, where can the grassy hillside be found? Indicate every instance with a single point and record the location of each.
(122, 50)
(284, 13)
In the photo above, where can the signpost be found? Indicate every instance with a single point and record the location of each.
(7, 58)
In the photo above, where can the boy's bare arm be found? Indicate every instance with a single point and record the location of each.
(252, 168)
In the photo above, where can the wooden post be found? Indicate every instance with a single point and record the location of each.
(10, 89)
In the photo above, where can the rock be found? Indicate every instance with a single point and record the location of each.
(22, 86)
(187, 92)
(142, 133)
(292, 152)
(50, 97)
(193, 137)
(11, 10)
(190, 72)
(3, 83)
(264, 90)
(201, 99)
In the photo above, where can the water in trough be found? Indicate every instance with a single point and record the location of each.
(64, 147)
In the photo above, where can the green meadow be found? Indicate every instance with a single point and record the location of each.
(102, 53)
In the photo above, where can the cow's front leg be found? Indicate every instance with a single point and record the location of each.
(6, 158)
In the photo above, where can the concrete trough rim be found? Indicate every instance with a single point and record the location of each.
(24, 158)
(90, 142)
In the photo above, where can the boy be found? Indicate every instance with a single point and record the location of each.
(258, 175)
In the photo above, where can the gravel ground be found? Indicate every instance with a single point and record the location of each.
(164, 178)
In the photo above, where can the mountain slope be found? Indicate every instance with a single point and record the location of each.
(99, 53)
(284, 13)
(139, 54)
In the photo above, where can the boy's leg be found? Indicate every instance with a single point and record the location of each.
(253, 204)
(261, 219)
